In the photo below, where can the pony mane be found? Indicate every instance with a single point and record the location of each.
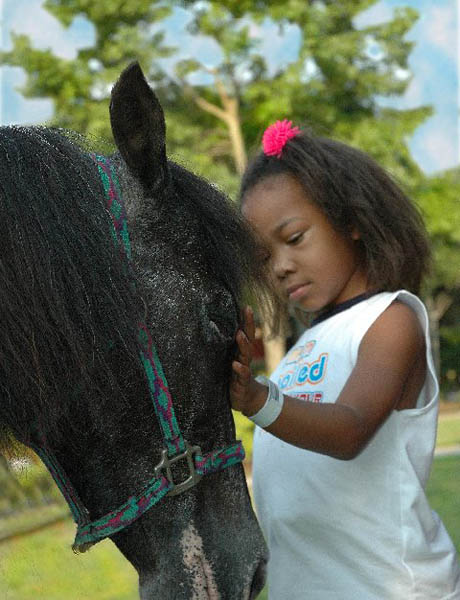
(66, 301)
(70, 314)
(228, 248)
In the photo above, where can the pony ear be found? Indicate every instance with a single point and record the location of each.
(138, 127)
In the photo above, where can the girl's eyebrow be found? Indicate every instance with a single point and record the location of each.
(283, 224)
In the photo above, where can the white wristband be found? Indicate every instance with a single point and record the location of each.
(271, 409)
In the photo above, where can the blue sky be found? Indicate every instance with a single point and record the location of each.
(434, 63)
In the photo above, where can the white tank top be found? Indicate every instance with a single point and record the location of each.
(360, 529)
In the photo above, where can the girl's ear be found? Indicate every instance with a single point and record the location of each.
(138, 127)
(355, 235)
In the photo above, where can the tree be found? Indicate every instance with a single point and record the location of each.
(333, 81)
(80, 87)
(439, 199)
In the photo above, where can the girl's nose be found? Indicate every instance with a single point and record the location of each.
(283, 266)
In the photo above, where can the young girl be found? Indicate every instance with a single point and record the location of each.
(347, 427)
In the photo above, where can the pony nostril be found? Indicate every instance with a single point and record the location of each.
(258, 581)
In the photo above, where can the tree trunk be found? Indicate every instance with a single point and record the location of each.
(236, 137)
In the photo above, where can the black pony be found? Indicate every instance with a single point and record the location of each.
(71, 378)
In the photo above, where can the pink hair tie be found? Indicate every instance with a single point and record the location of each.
(276, 136)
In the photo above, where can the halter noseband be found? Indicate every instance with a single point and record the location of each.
(176, 447)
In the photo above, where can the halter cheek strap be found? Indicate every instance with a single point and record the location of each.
(176, 447)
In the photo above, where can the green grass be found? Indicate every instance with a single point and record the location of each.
(244, 432)
(443, 491)
(32, 519)
(42, 566)
(263, 594)
(448, 431)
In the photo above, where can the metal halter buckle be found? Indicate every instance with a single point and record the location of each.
(166, 462)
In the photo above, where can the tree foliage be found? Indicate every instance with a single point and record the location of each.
(333, 81)
(439, 199)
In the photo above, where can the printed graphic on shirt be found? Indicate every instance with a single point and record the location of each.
(315, 397)
(300, 352)
(301, 373)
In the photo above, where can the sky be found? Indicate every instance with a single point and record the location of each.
(434, 63)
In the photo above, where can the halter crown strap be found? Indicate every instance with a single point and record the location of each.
(89, 532)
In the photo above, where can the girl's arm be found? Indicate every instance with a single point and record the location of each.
(388, 365)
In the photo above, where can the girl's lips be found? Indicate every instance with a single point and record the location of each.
(299, 292)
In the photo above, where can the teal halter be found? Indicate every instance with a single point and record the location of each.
(176, 447)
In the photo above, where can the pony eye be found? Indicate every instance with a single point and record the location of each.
(219, 319)
(218, 332)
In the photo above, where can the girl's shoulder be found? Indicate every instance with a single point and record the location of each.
(400, 311)
(397, 330)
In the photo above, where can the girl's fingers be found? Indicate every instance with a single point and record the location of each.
(244, 347)
(245, 339)
(242, 373)
(241, 378)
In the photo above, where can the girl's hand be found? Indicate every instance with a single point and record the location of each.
(243, 387)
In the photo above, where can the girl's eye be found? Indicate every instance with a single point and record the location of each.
(297, 237)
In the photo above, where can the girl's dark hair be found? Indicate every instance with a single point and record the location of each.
(353, 191)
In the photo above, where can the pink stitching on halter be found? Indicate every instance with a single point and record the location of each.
(276, 136)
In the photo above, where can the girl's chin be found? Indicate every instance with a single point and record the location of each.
(310, 303)
(306, 305)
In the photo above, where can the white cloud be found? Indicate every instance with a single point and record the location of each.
(202, 48)
(402, 74)
(277, 47)
(14, 108)
(373, 49)
(378, 13)
(414, 94)
(440, 28)
(255, 30)
(30, 18)
(433, 148)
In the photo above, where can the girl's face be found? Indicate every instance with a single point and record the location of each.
(314, 265)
